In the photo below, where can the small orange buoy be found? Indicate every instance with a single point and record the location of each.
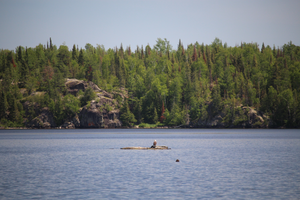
(177, 160)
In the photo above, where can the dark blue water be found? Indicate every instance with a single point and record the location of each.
(88, 164)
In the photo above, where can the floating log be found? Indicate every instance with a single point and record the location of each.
(147, 148)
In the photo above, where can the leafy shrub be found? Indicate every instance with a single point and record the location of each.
(71, 105)
(145, 125)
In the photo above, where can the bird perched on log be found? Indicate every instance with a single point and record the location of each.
(154, 144)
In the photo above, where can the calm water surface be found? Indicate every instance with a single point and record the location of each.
(88, 164)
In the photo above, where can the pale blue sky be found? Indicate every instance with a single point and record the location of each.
(141, 22)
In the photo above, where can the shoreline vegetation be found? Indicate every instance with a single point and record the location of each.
(192, 86)
(157, 127)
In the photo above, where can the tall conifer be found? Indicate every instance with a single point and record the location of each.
(74, 53)
(262, 47)
(195, 56)
(51, 46)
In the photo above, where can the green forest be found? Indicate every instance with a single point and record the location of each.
(166, 86)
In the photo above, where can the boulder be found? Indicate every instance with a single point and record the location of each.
(68, 125)
(76, 121)
(113, 124)
(74, 85)
(43, 120)
(97, 116)
(91, 117)
(216, 122)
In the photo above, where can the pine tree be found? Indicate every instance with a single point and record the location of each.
(121, 51)
(19, 54)
(148, 51)
(24, 69)
(59, 113)
(209, 65)
(195, 56)
(3, 105)
(74, 53)
(262, 47)
(51, 46)
(204, 58)
(162, 117)
(199, 52)
(14, 113)
(129, 51)
(81, 57)
(138, 111)
(155, 116)
(216, 100)
(142, 53)
(126, 116)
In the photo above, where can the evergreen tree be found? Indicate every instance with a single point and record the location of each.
(89, 95)
(175, 86)
(155, 116)
(195, 56)
(216, 100)
(14, 114)
(3, 105)
(74, 53)
(162, 118)
(51, 46)
(59, 114)
(81, 57)
(138, 111)
(126, 116)
(262, 47)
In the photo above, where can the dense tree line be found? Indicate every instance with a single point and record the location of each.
(165, 85)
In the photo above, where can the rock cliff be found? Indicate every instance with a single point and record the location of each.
(244, 117)
(102, 112)
(44, 118)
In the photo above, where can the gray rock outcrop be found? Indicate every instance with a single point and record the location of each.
(97, 116)
(245, 117)
(99, 113)
(91, 117)
(102, 112)
(43, 120)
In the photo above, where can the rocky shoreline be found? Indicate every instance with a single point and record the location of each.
(104, 112)
(163, 127)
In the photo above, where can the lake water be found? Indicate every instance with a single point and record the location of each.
(89, 164)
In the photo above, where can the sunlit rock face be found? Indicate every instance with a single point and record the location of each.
(101, 112)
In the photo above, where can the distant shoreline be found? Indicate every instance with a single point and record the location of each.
(119, 128)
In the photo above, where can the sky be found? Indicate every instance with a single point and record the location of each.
(141, 22)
